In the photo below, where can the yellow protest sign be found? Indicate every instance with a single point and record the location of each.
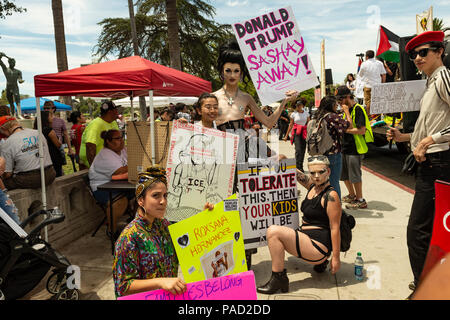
(210, 243)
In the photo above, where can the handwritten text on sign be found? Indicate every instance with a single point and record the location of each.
(275, 54)
(239, 286)
(268, 196)
(402, 96)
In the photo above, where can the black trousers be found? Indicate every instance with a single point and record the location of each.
(420, 224)
(300, 148)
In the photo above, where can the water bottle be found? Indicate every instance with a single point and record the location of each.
(359, 267)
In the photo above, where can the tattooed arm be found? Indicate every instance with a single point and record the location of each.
(304, 179)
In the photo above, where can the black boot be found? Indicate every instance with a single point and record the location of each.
(320, 268)
(279, 280)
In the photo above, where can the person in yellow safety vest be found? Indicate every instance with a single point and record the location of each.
(353, 147)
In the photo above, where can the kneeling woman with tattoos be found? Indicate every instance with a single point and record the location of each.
(319, 235)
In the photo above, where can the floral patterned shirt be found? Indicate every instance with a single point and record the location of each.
(336, 127)
(143, 251)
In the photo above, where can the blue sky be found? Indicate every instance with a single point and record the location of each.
(348, 27)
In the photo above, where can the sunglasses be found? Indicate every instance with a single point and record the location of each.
(422, 52)
(319, 157)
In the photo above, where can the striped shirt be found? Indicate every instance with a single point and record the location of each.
(434, 117)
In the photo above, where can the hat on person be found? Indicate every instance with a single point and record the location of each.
(425, 37)
(342, 91)
(109, 105)
(5, 119)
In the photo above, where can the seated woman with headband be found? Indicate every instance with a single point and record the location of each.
(145, 257)
(319, 235)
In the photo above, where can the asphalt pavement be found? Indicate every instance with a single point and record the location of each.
(379, 234)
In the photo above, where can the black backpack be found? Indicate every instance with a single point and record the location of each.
(347, 224)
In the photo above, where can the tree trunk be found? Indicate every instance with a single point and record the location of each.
(172, 34)
(60, 40)
(142, 106)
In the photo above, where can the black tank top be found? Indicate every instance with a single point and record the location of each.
(313, 212)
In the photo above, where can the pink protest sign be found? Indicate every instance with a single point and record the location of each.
(275, 54)
(240, 286)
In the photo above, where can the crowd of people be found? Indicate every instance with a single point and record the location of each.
(145, 257)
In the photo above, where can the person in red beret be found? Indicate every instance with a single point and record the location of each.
(429, 142)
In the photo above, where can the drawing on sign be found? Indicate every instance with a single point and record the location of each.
(275, 54)
(193, 176)
(402, 96)
(200, 161)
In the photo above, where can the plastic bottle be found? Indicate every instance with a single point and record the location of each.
(359, 267)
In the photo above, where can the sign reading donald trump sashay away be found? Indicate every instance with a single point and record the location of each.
(275, 54)
(268, 195)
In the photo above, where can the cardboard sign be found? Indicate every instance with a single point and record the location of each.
(210, 244)
(200, 168)
(440, 240)
(239, 286)
(268, 195)
(275, 54)
(402, 96)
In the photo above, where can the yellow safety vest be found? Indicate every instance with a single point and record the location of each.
(360, 140)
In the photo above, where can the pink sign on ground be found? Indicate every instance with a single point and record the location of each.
(240, 286)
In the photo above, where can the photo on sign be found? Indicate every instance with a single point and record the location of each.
(219, 261)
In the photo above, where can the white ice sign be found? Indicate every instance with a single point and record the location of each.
(275, 54)
(399, 96)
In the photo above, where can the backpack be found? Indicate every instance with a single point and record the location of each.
(347, 224)
(318, 139)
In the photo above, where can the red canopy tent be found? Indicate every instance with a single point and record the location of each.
(132, 76)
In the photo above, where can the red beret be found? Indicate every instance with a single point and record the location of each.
(5, 119)
(425, 37)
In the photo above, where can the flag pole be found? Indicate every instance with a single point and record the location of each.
(322, 70)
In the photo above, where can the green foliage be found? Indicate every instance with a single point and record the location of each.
(7, 8)
(438, 24)
(200, 36)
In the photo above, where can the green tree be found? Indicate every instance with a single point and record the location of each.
(199, 36)
(438, 24)
(8, 7)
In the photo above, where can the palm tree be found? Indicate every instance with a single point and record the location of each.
(60, 40)
(173, 34)
(438, 24)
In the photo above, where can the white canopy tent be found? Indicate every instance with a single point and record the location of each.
(157, 101)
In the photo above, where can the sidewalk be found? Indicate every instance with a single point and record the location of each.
(380, 235)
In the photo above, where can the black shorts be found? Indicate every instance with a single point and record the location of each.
(322, 236)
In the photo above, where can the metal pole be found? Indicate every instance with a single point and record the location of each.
(152, 127)
(41, 160)
(131, 109)
(322, 71)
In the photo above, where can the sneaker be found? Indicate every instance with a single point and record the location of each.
(357, 205)
(349, 198)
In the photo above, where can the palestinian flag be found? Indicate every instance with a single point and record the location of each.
(387, 45)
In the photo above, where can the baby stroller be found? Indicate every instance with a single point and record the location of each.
(25, 259)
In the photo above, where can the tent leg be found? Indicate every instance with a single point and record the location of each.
(41, 159)
(152, 127)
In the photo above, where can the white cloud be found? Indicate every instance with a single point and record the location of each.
(237, 3)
